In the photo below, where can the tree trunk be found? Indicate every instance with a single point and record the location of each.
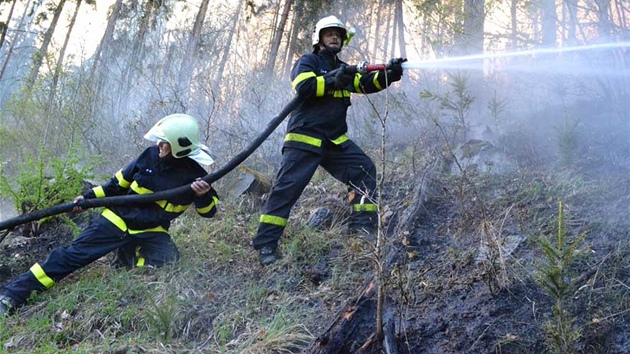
(385, 34)
(473, 26)
(190, 55)
(14, 42)
(228, 45)
(5, 25)
(101, 52)
(343, 333)
(514, 23)
(621, 15)
(277, 37)
(571, 21)
(377, 31)
(293, 46)
(400, 26)
(549, 20)
(471, 42)
(287, 50)
(351, 328)
(134, 61)
(103, 46)
(62, 54)
(41, 53)
(603, 24)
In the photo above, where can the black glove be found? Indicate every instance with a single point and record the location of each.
(395, 65)
(338, 78)
(393, 75)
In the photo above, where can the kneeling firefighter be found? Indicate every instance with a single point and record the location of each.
(138, 233)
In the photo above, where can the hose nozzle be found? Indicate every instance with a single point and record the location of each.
(364, 67)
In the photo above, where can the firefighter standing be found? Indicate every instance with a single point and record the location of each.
(137, 232)
(316, 135)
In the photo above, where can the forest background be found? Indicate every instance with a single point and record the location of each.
(73, 70)
(546, 82)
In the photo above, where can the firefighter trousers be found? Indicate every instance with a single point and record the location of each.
(348, 164)
(97, 240)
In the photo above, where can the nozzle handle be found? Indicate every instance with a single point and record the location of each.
(364, 67)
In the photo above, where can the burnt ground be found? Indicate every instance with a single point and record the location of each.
(465, 301)
(449, 294)
(30, 243)
(452, 292)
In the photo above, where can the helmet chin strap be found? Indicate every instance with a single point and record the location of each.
(331, 49)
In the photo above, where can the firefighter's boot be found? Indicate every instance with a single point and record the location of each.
(7, 305)
(267, 255)
(363, 225)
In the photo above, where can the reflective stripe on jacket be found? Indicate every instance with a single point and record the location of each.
(148, 174)
(322, 113)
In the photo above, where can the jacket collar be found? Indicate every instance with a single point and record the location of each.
(329, 57)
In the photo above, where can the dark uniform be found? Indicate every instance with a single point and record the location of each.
(138, 231)
(316, 136)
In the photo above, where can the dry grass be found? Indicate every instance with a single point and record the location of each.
(218, 299)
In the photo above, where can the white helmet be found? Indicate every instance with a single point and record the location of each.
(181, 131)
(329, 22)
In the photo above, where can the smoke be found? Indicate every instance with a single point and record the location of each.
(542, 105)
(7, 210)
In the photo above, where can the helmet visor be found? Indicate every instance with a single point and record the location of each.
(155, 134)
(202, 156)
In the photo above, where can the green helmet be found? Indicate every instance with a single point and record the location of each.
(181, 131)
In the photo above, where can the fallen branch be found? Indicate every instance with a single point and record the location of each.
(345, 326)
(348, 326)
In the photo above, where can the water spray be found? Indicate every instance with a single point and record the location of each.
(471, 61)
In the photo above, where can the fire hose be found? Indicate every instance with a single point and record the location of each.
(9, 224)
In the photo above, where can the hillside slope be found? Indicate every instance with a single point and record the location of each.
(464, 277)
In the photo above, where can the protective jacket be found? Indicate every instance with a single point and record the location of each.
(138, 230)
(322, 114)
(149, 173)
